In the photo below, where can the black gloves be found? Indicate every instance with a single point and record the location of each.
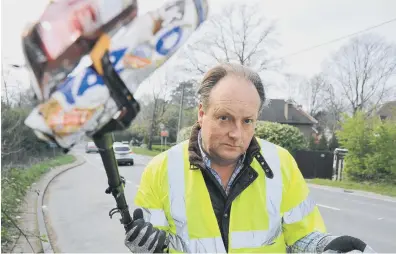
(143, 237)
(343, 244)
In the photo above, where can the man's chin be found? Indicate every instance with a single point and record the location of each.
(230, 157)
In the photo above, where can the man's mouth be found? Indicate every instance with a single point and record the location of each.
(231, 146)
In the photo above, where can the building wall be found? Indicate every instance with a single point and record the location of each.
(306, 130)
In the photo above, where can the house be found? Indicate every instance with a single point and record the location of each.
(387, 111)
(288, 112)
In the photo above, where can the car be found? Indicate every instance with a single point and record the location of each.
(123, 154)
(91, 147)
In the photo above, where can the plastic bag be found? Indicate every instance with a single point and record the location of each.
(82, 103)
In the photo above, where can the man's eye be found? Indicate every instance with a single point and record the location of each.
(249, 121)
(223, 118)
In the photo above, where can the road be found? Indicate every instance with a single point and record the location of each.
(77, 209)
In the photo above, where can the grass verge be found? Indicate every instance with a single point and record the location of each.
(14, 185)
(379, 188)
(144, 151)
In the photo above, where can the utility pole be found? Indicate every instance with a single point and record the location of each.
(180, 110)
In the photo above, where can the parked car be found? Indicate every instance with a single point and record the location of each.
(91, 147)
(123, 153)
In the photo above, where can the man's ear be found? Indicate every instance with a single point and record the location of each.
(200, 113)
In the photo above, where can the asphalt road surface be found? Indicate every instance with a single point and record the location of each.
(77, 209)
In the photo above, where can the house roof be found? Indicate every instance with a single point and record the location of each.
(275, 112)
(388, 109)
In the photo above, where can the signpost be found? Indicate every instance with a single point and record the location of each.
(164, 134)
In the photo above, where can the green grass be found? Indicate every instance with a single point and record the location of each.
(144, 151)
(379, 188)
(14, 185)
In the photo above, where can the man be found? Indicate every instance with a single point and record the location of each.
(225, 190)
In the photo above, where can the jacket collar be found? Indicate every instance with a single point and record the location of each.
(195, 155)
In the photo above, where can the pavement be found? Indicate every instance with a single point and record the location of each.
(31, 221)
(76, 209)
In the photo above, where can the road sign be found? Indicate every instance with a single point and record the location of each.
(164, 133)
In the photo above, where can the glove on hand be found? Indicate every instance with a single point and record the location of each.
(143, 237)
(344, 244)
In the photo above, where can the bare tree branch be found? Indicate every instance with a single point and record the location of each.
(17, 227)
(360, 71)
(239, 34)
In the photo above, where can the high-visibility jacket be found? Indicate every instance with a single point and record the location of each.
(267, 216)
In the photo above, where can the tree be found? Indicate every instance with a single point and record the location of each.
(313, 93)
(360, 71)
(155, 105)
(312, 143)
(158, 110)
(322, 146)
(239, 34)
(189, 96)
(333, 143)
(291, 86)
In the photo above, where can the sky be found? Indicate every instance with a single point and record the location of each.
(300, 24)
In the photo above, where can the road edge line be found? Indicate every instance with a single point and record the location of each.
(47, 179)
(359, 193)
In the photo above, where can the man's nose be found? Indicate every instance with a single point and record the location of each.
(236, 131)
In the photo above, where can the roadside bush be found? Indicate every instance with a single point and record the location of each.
(15, 183)
(371, 148)
(21, 152)
(184, 134)
(286, 136)
(19, 145)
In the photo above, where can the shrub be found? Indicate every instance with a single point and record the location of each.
(286, 136)
(371, 148)
(184, 134)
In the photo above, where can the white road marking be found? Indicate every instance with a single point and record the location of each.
(329, 207)
(355, 193)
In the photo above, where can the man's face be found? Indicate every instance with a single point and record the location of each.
(229, 120)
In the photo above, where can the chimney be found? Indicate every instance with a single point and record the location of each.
(287, 106)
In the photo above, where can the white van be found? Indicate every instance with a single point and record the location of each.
(123, 154)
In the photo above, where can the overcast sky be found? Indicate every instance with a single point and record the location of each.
(300, 24)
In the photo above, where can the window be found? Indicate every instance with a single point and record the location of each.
(91, 144)
(121, 149)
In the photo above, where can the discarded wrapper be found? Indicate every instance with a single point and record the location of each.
(82, 104)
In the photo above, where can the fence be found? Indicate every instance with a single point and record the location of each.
(315, 164)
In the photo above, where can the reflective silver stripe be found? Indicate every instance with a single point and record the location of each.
(274, 189)
(176, 198)
(155, 216)
(298, 213)
(207, 245)
(257, 238)
(181, 241)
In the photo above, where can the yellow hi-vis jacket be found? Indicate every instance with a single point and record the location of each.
(267, 216)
